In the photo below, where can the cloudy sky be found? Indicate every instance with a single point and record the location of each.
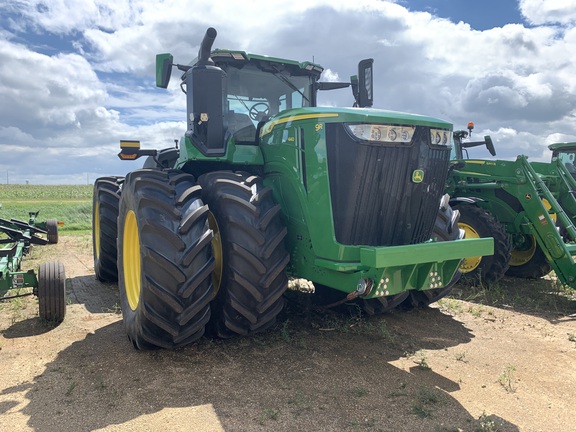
(76, 76)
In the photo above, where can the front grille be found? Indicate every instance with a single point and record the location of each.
(374, 200)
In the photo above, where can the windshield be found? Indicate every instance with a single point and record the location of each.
(254, 94)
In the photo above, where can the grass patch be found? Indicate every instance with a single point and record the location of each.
(71, 204)
(541, 296)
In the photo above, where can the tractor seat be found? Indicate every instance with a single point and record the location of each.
(241, 127)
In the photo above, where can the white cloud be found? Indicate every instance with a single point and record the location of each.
(540, 12)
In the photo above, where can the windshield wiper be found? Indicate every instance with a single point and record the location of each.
(290, 84)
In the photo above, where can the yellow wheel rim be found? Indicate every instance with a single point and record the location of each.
(96, 217)
(131, 260)
(469, 264)
(522, 255)
(217, 252)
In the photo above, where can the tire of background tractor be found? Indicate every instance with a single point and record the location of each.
(529, 263)
(445, 229)
(52, 230)
(52, 292)
(249, 250)
(478, 223)
(165, 260)
(105, 204)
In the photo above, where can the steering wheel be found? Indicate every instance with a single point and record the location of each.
(259, 111)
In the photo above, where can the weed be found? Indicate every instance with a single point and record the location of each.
(268, 414)
(70, 388)
(422, 360)
(507, 379)
(461, 357)
(285, 332)
(425, 400)
(486, 424)
(360, 392)
(572, 337)
(300, 402)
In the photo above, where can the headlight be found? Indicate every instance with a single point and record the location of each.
(382, 133)
(440, 137)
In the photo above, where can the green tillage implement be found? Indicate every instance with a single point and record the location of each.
(533, 201)
(265, 184)
(49, 286)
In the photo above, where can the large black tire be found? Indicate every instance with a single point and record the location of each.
(478, 223)
(105, 204)
(52, 231)
(165, 260)
(52, 292)
(529, 261)
(445, 229)
(250, 253)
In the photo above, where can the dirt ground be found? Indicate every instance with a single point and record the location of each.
(458, 366)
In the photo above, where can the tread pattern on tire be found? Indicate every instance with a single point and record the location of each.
(492, 267)
(52, 292)
(176, 259)
(52, 231)
(107, 196)
(252, 236)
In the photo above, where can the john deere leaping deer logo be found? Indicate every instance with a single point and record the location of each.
(418, 176)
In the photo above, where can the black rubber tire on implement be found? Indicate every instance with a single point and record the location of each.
(250, 237)
(536, 267)
(52, 231)
(478, 223)
(445, 229)
(165, 260)
(52, 292)
(105, 205)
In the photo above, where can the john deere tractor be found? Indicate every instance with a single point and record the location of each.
(529, 208)
(265, 185)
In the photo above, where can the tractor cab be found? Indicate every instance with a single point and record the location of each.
(566, 153)
(259, 87)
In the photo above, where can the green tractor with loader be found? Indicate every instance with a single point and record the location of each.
(528, 208)
(265, 185)
(49, 285)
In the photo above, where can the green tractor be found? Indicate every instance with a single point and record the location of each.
(265, 185)
(528, 208)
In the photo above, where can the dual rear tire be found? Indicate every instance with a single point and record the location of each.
(192, 258)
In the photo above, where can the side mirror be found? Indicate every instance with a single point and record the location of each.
(365, 83)
(163, 69)
(490, 145)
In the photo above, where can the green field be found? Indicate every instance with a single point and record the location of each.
(71, 204)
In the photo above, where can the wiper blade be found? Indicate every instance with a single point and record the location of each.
(290, 84)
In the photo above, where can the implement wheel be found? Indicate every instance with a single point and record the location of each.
(527, 260)
(52, 292)
(105, 203)
(249, 250)
(165, 259)
(52, 231)
(478, 223)
(445, 229)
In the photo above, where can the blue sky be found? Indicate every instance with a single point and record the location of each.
(76, 76)
(480, 14)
